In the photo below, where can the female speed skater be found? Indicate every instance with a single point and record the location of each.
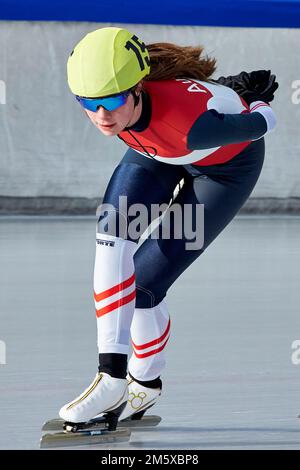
(180, 126)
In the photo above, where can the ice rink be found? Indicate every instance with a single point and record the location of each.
(230, 382)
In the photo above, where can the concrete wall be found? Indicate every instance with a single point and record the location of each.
(49, 149)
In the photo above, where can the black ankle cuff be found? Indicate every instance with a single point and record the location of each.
(113, 364)
(156, 383)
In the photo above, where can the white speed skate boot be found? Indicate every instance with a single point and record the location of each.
(106, 395)
(140, 398)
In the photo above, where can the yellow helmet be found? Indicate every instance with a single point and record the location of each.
(107, 61)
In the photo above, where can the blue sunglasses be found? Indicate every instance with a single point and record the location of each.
(110, 103)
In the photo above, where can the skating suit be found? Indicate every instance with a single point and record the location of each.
(193, 122)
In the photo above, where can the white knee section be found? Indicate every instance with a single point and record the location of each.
(114, 292)
(150, 331)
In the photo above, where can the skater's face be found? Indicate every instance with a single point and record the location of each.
(113, 122)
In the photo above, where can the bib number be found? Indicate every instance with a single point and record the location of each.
(138, 48)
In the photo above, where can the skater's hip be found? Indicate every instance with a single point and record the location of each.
(248, 161)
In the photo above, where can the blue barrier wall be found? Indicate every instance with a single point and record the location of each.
(243, 13)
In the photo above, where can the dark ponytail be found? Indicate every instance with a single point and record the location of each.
(170, 61)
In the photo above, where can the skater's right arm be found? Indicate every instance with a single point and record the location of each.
(213, 129)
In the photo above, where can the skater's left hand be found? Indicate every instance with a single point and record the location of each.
(258, 85)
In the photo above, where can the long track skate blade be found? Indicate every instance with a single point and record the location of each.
(80, 438)
(145, 421)
(53, 425)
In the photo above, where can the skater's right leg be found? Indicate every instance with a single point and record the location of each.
(145, 182)
(114, 294)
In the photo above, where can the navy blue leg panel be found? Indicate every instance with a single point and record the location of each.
(223, 189)
(142, 180)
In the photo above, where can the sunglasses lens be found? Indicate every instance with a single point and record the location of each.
(114, 102)
(110, 103)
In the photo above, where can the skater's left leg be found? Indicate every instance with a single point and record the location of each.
(150, 331)
(222, 190)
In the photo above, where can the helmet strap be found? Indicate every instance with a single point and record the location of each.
(136, 98)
